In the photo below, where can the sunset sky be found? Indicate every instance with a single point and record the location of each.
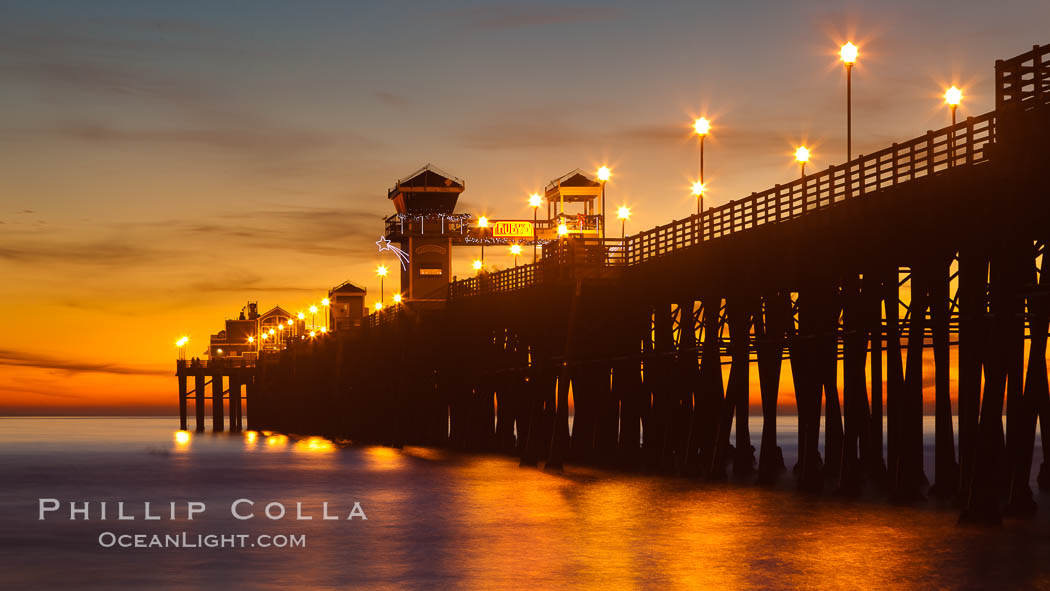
(163, 162)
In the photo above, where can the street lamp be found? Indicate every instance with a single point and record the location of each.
(563, 230)
(313, 316)
(515, 249)
(325, 303)
(952, 97)
(802, 157)
(378, 306)
(848, 55)
(477, 264)
(623, 214)
(483, 222)
(702, 127)
(397, 298)
(534, 202)
(181, 344)
(603, 175)
(698, 192)
(381, 272)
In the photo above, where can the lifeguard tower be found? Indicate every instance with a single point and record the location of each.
(573, 199)
(425, 227)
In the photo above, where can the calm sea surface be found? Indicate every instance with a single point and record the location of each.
(444, 520)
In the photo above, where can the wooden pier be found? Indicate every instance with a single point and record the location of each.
(232, 381)
(932, 244)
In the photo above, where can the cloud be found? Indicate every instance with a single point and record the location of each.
(243, 282)
(391, 99)
(243, 141)
(24, 359)
(525, 14)
(103, 253)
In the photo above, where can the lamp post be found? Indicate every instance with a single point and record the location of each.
(702, 127)
(477, 264)
(623, 214)
(534, 202)
(848, 55)
(301, 317)
(802, 157)
(953, 96)
(325, 303)
(483, 222)
(603, 175)
(397, 298)
(313, 317)
(698, 192)
(181, 344)
(381, 272)
(515, 249)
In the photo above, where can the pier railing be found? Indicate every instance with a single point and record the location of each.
(1023, 82)
(936, 152)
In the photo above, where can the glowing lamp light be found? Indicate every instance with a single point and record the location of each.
(483, 222)
(562, 229)
(324, 329)
(604, 173)
(272, 331)
(182, 341)
(289, 322)
(379, 306)
(477, 264)
(515, 249)
(313, 309)
(535, 200)
(698, 188)
(802, 154)
(264, 335)
(219, 351)
(251, 340)
(623, 213)
(953, 96)
(381, 270)
(325, 302)
(313, 334)
(702, 126)
(280, 327)
(301, 316)
(397, 298)
(848, 54)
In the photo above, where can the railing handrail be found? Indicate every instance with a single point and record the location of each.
(932, 153)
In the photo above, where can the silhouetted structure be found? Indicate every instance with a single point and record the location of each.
(811, 272)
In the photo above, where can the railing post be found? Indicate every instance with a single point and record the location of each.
(930, 161)
(970, 145)
(894, 165)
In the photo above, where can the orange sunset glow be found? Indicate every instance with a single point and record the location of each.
(143, 199)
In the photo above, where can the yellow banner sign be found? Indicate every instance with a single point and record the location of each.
(512, 230)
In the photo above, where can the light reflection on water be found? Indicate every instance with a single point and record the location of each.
(441, 519)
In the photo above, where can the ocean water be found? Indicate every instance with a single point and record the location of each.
(438, 519)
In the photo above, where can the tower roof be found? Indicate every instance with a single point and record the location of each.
(345, 288)
(574, 185)
(427, 190)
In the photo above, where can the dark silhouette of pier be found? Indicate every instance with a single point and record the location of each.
(936, 243)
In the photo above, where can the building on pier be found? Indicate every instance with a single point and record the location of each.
(426, 225)
(346, 306)
(241, 336)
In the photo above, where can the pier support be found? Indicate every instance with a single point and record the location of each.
(218, 419)
(198, 391)
(181, 369)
